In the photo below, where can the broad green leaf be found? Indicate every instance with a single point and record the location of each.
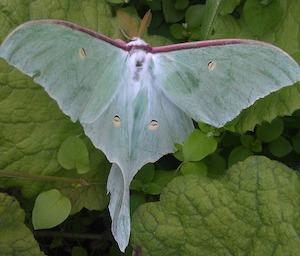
(73, 154)
(198, 145)
(261, 18)
(268, 132)
(280, 147)
(252, 210)
(51, 208)
(15, 236)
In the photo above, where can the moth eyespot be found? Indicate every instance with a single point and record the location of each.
(117, 121)
(153, 125)
(82, 53)
(211, 65)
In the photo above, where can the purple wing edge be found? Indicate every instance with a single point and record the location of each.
(210, 43)
(118, 43)
(159, 49)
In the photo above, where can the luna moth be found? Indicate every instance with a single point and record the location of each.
(135, 101)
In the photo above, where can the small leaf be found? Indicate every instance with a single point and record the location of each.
(73, 154)
(136, 185)
(177, 30)
(216, 165)
(194, 34)
(178, 154)
(162, 178)
(249, 142)
(208, 129)
(50, 209)
(238, 154)
(268, 132)
(198, 145)
(280, 147)
(170, 12)
(194, 15)
(194, 168)
(153, 189)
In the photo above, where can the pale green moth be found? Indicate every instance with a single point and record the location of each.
(135, 101)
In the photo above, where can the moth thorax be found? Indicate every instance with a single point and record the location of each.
(138, 63)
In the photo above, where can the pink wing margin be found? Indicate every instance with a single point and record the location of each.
(118, 43)
(159, 49)
(211, 43)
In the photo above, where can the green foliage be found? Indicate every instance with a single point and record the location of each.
(50, 209)
(37, 141)
(15, 237)
(268, 132)
(198, 145)
(73, 154)
(262, 17)
(254, 209)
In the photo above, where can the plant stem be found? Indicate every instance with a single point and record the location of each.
(42, 177)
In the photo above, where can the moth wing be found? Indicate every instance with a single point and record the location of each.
(214, 83)
(78, 68)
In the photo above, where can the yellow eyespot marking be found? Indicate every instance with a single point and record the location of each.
(117, 121)
(82, 53)
(211, 65)
(153, 125)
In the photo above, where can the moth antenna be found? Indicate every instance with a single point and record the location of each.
(128, 25)
(129, 38)
(145, 23)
